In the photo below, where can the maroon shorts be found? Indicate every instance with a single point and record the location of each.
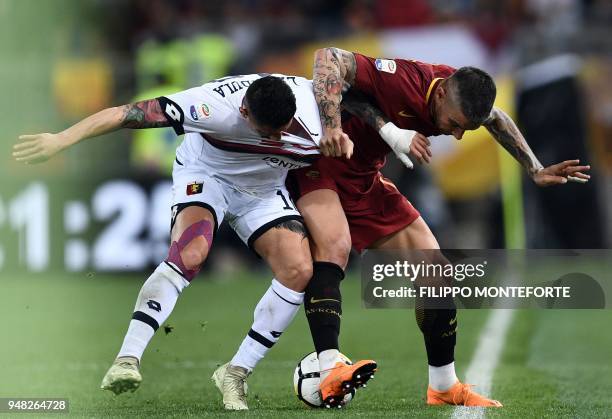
(373, 206)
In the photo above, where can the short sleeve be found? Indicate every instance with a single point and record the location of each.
(366, 73)
(191, 110)
(392, 83)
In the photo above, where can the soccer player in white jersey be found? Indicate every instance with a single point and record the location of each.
(243, 134)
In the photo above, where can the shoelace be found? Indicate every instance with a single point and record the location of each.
(128, 364)
(466, 391)
(236, 383)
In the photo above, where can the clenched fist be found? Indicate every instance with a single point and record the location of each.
(336, 143)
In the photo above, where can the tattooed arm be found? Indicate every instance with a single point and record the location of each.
(401, 141)
(145, 114)
(333, 68)
(507, 134)
(40, 147)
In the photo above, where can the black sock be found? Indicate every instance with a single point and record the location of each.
(439, 327)
(323, 305)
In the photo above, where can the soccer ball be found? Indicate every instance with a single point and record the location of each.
(306, 379)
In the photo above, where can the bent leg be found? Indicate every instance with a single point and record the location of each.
(331, 245)
(415, 236)
(191, 239)
(285, 248)
(330, 238)
(438, 326)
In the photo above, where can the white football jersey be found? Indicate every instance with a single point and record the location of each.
(219, 139)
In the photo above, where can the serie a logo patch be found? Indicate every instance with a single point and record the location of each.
(194, 188)
(201, 111)
(388, 66)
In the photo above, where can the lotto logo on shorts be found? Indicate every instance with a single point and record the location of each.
(194, 188)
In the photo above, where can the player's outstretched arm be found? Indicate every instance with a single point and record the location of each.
(37, 148)
(401, 141)
(506, 133)
(333, 68)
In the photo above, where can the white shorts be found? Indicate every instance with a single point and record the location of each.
(250, 213)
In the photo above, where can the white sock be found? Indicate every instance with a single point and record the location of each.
(154, 304)
(442, 378)
(136, 339)
(327, 361)
(272, 316)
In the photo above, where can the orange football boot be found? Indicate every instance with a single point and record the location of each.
(343, 378)
(459, 394)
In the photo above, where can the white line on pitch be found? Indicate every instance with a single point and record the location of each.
(485, 359)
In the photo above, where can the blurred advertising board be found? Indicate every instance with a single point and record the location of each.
(114, 224)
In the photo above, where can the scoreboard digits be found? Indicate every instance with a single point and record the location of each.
(120, 225)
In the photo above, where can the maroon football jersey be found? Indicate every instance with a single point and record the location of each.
(402, 90)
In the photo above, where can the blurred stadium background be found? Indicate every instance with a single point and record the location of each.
(102, 206)
(101, 210)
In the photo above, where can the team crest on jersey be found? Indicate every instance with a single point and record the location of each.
(195, 188)
(201, 111)
(388, 66)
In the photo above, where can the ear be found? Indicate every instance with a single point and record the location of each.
(244, 112)
(441, 92)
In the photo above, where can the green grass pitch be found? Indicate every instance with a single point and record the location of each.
(60, 333)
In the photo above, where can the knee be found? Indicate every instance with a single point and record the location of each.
(296, 276)
(193, 256)
(333, 249)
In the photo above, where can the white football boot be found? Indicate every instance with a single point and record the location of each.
(231, 382)
(122, 376)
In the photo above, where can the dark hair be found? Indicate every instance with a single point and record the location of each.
(476, 93)
(270, 101)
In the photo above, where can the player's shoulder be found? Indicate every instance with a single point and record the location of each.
(421, 75)
(429, 69)
(404, 66)
(295, 82)
(301, 87)
(229, 86)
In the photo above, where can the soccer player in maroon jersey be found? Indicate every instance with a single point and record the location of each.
(349, 201)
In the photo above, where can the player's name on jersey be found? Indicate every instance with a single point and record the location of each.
(231, 87)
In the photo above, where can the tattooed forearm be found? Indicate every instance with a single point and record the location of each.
(358, 105)
(327, 87)
(333, 68)
(507, 134)
(145, 114)
(350, 66)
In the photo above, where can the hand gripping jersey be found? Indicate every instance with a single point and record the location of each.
(402, 90)
(374, 207)
(220, 141)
